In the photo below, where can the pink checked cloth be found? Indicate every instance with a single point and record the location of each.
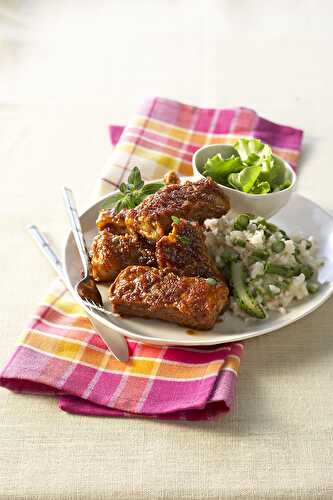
(60, 353)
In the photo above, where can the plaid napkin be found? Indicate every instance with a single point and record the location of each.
(60, 353)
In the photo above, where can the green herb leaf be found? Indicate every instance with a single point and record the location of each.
(212, 281)
(123, 188)
(132, 193)
(112, 200)
(151, 188)
(121, 204)
(184, 239)
(135, 179)
(175, 220)
(128, 201)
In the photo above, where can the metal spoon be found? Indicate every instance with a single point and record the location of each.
(116, 343)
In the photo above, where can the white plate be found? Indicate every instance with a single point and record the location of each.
(300, 214)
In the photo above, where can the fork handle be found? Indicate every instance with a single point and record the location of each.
(75, 223)
(116, 342)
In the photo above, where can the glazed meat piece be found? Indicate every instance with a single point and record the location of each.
(171, 178)
(153, 293)
(184, 251)
(195, 201)
(115, 222)
(111, 253)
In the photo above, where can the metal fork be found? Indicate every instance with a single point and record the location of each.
(115, 341)
(86, 287)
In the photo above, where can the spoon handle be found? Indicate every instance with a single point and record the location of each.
(75, 223)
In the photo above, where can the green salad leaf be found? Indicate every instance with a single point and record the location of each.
(261, 188)
(132, 192)
(245, 180)
(256, 170)
(253, 151)
(280, 177)
(220, 168)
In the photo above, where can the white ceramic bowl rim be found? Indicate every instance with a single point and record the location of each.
(249, 195)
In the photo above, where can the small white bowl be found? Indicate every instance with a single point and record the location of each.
(264, 205)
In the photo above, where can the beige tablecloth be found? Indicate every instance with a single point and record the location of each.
(67, 69)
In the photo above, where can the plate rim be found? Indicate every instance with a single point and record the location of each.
(192, 342)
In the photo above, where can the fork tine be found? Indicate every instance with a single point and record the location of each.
(92, 305)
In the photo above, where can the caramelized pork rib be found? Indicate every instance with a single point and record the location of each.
(185, 253)
(111, 253)
(152, 293)
(116, 221)
(109, 218)
(196, 201)
(171, 178)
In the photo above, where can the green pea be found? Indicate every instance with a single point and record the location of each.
(307, 271)
(241, 222)
(312, 287)
(239, 243)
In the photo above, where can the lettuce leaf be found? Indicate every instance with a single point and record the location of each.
(244, 180)
(218, 168)
(280, 177)
(256, 170)
(253, 151)
(261, 188)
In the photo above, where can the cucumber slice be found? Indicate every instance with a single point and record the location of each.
(244, 298)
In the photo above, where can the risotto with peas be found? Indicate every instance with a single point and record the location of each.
(267, 268)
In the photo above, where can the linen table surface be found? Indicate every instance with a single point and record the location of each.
(67, 71)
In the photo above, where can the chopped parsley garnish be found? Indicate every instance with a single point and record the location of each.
(175, 220)
(184, 239)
